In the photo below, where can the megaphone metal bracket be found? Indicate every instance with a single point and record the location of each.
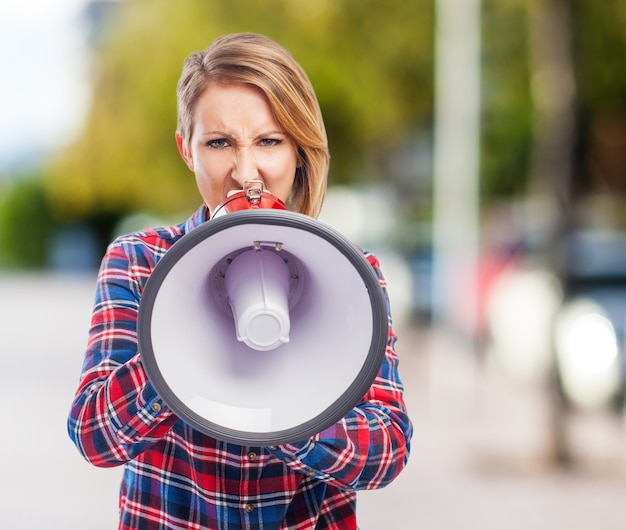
(254, 190)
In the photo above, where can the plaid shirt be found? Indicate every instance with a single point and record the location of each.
(178, 478)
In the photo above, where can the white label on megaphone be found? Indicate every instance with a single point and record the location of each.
(257, 284)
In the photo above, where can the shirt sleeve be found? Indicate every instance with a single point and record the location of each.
(116, 413)
(369, 447)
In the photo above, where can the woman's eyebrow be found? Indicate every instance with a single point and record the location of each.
(217, 133)
(262, 134)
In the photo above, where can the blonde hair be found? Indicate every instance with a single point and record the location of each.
(259, 61)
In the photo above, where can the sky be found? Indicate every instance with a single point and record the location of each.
(43, 86)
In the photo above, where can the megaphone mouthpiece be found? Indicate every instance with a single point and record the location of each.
(257, 286)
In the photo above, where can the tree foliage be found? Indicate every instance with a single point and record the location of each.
(506, 102)
(600, 52)
(598, 48)
(369, 61)
(26, 225)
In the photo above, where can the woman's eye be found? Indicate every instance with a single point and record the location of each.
(218, 143)
(269, 142)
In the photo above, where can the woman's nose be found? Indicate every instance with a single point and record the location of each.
(245, 167)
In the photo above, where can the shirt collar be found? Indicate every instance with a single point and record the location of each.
(200, 216)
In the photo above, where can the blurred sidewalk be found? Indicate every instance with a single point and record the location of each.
(479, 456)
(481, 452)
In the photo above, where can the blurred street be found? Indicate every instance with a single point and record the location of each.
(480, 457)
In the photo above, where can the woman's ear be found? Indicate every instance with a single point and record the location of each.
(182, 149)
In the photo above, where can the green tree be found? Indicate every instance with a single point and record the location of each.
(512, 80)
(369, 61)
(26, 224)
(506, 100)
(372, 66)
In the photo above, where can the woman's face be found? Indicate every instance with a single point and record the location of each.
(236, 138)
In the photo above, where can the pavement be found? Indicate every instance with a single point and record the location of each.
(481, 454)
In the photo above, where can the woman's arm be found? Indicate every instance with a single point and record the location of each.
(116, 413)
(370, 446)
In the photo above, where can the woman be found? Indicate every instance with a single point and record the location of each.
(246, 111)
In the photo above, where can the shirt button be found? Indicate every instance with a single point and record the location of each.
(273, 447)
(310, 474)
(156, 407)
(249, 508)
(252, 456)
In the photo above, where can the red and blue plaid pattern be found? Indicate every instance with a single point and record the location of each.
(178, 478)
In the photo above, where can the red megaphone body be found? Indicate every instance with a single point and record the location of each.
(252, 197)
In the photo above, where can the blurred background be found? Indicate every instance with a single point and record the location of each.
(479, 148)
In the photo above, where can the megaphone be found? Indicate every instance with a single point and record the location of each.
(262, 326)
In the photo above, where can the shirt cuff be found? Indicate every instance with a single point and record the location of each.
(295, 454)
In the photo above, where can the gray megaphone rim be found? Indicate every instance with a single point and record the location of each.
(354, 392)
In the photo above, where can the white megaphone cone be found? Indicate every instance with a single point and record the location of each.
(262, 326)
